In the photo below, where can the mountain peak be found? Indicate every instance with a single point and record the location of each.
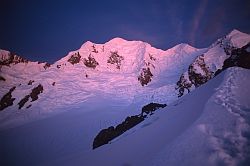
(4, 54)
(7, 58)
(114, 41)
(87, 44)
(182, 47)
(238, 38)
(236, 32)
(117, 40)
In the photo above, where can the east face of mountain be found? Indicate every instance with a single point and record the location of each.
(121, 70)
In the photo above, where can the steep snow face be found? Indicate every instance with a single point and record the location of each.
(129, 55)
(179, 57)
(238, 39)
(134, 55)
(221, 49)
(206, 66)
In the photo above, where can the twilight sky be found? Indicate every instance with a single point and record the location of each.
(46, 30)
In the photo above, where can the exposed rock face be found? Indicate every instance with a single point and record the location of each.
(74, 59)
(33, 95)
(115, 59)
(31, 82)
(7, 99)
(239, 57)
(23, 101)
(46, 66)
(90, 62)
(2, 78)
(152, 58)
(145, 77)
(94, 49)
(35, 92)
(106, 135)
(12, 59)
(182, 85)
(199, 73)
(199, 77)
(225, 44)
(151, 107)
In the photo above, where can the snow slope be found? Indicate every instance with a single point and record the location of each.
(220, 136)
(209, 126)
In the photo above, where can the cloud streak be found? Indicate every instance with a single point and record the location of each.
(197, 20)
(214, 23)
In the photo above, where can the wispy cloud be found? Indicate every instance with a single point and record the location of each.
(214, 23)
(175, 21)
(197, 20)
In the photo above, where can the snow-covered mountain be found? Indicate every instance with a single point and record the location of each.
(99, 85)
(231, 50)
(128, 72)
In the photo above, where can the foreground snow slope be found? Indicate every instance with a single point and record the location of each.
(209, 126)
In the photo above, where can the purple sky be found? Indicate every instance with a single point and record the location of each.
(46, 30)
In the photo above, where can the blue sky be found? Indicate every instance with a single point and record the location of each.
(46, 30)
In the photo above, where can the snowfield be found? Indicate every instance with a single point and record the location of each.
(208, 126)
(206, 121)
